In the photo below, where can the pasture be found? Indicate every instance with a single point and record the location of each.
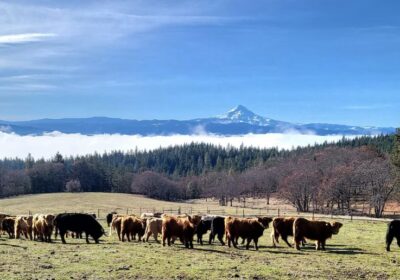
(358, 251)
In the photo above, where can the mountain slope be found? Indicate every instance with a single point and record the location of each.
(237, 121)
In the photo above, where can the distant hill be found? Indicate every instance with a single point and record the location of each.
(237, 121)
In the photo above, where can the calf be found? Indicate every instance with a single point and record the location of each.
(77, 222)
(202, 228)
(8, 225)
(43, 227)
(109, 217)
(180, 227)
(23, 225)
(116, 225)
(217, 229)
(2, 217)
(249, 229)
(393, 231)
(130, 226)
(319, 231)
(153, 227)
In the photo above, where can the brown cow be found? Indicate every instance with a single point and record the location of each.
(319, 231)
(8, 225)
(23, 224)
(43, 227)
(180, 227)
(130, 226)
(116, 226)
(282, 227)
(246, 228)
(153, 227)
(2, 217)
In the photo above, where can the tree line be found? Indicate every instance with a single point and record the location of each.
(342, 177)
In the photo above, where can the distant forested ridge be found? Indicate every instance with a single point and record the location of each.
(205, 170)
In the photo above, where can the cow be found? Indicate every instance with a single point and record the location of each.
(43, 227)
(180, 227)
(217, 229)
(116, 225)
(23, 225)
(130, 226)
(319, 231)
(109, 217)
(2, 217)
(202, 228)
(8, 225)
(78, 222)
(393, 231)
(153, 227)
(282, 227)
(246, 228)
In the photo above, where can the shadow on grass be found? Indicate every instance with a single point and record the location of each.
(15, 246)
(202, 249)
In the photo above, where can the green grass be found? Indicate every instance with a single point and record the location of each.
(356, 252)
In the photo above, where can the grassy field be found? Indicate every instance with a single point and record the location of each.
(357, 252)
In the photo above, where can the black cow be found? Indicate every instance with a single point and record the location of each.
(393, 231)
(77, 222)
(109, 217)
(217, 229)
(201, 229)
(8, 226)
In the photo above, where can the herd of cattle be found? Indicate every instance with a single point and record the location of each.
(172, 227)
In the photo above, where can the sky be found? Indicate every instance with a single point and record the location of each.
(299, 61)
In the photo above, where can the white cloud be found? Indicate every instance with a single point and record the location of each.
(46, 146)
(24, 38)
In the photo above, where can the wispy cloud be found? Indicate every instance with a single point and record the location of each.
(368, 106)
(24, 38)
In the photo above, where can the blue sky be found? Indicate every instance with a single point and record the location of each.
(300, 61)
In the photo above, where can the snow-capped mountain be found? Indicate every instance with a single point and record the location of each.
(237, 121)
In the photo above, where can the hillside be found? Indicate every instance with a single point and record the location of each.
(356, 252)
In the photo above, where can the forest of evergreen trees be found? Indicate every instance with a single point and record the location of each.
(307, 177)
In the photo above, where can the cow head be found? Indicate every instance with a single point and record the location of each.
(335, 226)
(264, 221)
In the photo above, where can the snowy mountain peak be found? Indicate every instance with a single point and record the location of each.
(241, 114)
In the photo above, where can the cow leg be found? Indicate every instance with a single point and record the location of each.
(234, 241)
(87, 238)
(119, 234)
(169, 240)
(221, 239)
(248, 243)
(323, 244)
(211, 238)
(284, 238)
(297, 244)
(243, 239)
(398, 240)
(273, 239)
(317, 245)
(256, 243)
(96, 241)
(163, 238)
(389, 239)
(62, 235)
